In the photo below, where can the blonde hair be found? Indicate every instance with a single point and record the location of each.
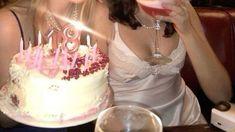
(38, 9)
(41, 9)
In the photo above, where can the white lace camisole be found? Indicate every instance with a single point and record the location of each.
(159, 88)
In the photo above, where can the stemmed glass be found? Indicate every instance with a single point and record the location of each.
(153, 8)
(128, 118)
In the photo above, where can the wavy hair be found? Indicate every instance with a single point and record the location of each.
(123, 11)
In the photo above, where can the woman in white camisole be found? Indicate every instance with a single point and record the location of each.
(161, 87)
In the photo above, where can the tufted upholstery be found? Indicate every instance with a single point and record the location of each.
(219, 27)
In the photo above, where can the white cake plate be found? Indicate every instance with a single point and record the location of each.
(11, 111)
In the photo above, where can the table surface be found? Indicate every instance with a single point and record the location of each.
(195, 128)
(89, 127)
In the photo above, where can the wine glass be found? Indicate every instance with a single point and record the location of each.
(127, 118)
(153, 8)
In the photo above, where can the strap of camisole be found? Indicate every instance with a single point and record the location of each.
(116, 27)
(20, 26)
(116, 31)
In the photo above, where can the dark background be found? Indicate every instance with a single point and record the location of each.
(217, 3)
(213, 3)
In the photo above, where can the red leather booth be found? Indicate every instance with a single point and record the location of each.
(219, 27)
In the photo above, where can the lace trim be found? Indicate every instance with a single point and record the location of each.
(177, 56)
(133, 63)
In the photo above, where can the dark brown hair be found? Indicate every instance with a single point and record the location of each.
(123, 11)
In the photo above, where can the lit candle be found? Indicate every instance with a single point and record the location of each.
(50, 33)
(21, 48)
(39, 38)
(88, 39)
(28, 52)
(38, 50)
(50, 43)
(74, 60)
(56, 56)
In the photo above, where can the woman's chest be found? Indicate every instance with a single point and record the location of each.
(124, 64)
(143, 42)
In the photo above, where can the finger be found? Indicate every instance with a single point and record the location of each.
(164, 18)
(185, 3)
(174, 8)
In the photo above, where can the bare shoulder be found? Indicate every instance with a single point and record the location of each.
(9, 35)
(9, 28)
(6, 18)
(9, 41)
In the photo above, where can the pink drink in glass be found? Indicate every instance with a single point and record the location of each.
(154, 7)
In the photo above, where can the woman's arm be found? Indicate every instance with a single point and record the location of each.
(9, 41)
(211, 74)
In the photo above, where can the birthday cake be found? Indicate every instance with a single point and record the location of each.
(54, 85)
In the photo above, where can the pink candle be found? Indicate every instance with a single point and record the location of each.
(65, 60)
(38, 50)
(21, 48)
(86, 61)
(28, 52)
(39, 38)
(94, 53)
(56, 56)
(74, 60)
(40, 60)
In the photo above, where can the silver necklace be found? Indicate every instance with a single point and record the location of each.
(53, 22)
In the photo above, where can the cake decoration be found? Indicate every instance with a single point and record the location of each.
(51, 84)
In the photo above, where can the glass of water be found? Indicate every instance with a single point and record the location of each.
(128, 118)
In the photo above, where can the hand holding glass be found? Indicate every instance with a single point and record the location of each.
(153, 8)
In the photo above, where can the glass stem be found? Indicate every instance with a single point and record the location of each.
(157, 38)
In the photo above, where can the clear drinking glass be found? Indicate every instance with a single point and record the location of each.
(153, 8)
(128, 118)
